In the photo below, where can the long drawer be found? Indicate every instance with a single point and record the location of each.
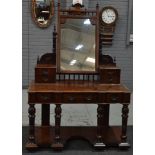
(115, 98)
(79, 98)
(42, 98)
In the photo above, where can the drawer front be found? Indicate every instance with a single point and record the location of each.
(45, 97)
(41, 98)
(45, 75)
(114, 98)
(110, 76)
(79, 98)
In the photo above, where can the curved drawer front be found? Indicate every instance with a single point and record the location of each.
(79, 98)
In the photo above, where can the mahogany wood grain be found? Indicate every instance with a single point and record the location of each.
(72, 92)
(31, 144)
(77, 86)
(124, 143)
(57, 144)
(109, 74)
(100, 128)
(45, 73)
(45, 135)
(101, 87)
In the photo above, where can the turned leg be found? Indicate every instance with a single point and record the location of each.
(57, 141)
(100, 125)
(125, 111)
(31, 144)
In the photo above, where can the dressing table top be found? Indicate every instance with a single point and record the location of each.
(77, 86)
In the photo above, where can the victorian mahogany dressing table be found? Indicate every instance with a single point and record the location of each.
(55, 85)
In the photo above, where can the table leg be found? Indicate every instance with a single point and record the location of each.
(100, 125)
(31, 144)
(124, 143)
(57, 141)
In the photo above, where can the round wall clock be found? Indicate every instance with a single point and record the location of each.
(108, 15)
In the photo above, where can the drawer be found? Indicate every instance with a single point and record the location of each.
(45, 97)
(45, 75)
(41, 98)
(110, 76)
(114, 98)
(79, 98)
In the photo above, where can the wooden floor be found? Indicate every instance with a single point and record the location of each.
(80, 147)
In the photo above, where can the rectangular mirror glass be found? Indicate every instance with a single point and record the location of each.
(77, 45)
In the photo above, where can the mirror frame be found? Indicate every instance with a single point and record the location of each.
(34, 15)
(77, 12)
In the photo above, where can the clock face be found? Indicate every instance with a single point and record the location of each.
(108, 16)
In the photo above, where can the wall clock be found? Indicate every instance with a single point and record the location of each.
(108, 18)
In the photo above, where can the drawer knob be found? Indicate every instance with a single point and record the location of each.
(71, 99)
(45, 79)
(110, 73)
(45, 97)
(45, 73)
(111, 79)
(114, 99)
(88, 99)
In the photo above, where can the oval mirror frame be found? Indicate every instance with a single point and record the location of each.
(48, 13)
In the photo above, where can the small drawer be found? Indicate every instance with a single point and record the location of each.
(45, 97)
(110, 76)
(113, 98)
(45, 75)
(79, 98)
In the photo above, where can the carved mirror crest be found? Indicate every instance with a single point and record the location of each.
(42, 12)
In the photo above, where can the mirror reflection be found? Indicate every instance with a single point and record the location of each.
(77, 51)
(43, 10)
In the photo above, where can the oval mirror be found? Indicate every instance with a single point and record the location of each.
(42, 12)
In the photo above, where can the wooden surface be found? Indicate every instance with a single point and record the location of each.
(45, 73)
(71, 92)
(76, 86)
(79, 146)
(45, 66)
(109, 74)
(76, 91)
(111, 136)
